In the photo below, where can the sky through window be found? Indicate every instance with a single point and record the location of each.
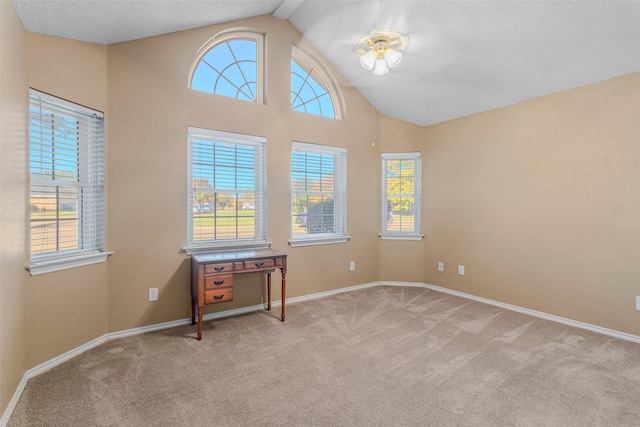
(308, 95)
(229, 69)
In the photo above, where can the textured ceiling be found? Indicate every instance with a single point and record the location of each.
(114, 21)
(464, 56)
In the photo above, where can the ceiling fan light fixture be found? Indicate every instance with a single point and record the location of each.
(368, 61)
(381, 50)
(380, 67)
(392, 57)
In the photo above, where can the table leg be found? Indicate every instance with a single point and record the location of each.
(200, 323)
(284, 288)
(193, 311)
(268, 291)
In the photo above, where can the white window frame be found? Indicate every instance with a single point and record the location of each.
(236, 34)
(259, 241)
(340, 197)
(324, 79)
(413, 234)
(90, 182)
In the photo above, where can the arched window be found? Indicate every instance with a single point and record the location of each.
(312, 90)
(230, 64)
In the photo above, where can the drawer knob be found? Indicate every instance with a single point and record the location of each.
(259, 264)
(218, 297)
(218, 268)
(219, 282)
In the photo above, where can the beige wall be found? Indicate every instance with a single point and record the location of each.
(150, 109)
(400, 260)
(67, 308)
(541, 202)
(13, 205)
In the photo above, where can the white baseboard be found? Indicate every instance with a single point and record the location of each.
(329, 293)
(166, 325)
(150, 328)
(542, 315)
(14, 401)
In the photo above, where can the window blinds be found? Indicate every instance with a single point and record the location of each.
(401, 193)
(66, 168)
(318, 190)
(227, 190)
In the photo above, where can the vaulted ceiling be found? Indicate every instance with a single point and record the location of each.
(464, 57)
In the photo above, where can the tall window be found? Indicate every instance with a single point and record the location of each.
(230, 65)
(318, 194)
(66, 169)
(312, 91)
(227, 189)
(401, 196)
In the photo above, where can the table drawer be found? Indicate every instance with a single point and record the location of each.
(259, 264)
(218, 268)
(218, 281)
(218, 295)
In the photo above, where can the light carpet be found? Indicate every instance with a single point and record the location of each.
(381, 356)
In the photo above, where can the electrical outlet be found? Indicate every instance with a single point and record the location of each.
(461, 270)
(153, 294)
(637, 303)
(440, 266)
(352, 266)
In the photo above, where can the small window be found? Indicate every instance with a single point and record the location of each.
(312, 91)
(230, 65)
(401, 199)
(318, 194)
(66, 169)
(227, 190)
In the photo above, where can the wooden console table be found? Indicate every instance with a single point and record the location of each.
(212, 276)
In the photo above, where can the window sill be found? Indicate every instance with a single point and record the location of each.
(312, 241)
(228, 246)
(50, 266)
(398, 236)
